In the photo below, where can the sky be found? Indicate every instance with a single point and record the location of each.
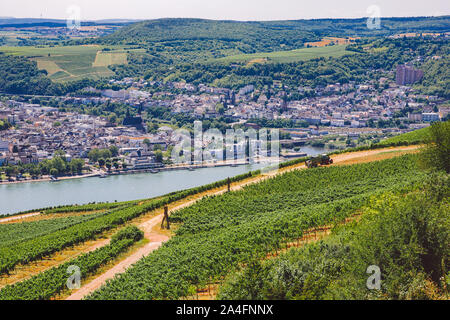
(221, 9)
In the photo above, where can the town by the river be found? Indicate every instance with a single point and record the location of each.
(34, 195)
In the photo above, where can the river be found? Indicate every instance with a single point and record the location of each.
(34, 195)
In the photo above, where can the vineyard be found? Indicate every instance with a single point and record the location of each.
(218, 234)
(43, 238)
(414, 258)
(51, 282)
(413, 137)
(89, 207)
(11, 234)
(75, 208)
(36, 248)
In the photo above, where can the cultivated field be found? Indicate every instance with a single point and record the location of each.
(12, 38)
(288, 56)
(65, 63)
(104, 59)
(329, 40)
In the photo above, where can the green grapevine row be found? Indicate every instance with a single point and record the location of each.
(47, 284)
(13, 233)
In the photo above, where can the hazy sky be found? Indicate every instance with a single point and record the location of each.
(222, 9)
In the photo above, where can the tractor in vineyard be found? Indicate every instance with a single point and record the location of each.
(322, 160)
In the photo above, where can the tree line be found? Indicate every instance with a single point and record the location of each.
(58, 166)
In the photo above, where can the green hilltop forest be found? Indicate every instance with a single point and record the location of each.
(264, 35)
(217, 53)
(363, 62)
(197, 39)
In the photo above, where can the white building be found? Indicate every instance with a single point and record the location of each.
(337, 123)
(430, 117)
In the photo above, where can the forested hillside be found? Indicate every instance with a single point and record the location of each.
(182, 49)
(368, 59)
(20, 75)
(267, 35)
(437, 76)
(197, 51)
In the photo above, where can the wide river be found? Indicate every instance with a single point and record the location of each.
(34, 195)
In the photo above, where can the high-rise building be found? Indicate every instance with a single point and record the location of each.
(408, 75)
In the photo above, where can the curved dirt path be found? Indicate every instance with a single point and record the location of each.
(157, 239)
(363, 154)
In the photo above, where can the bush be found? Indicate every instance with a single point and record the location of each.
(437, 153)
(130, 232)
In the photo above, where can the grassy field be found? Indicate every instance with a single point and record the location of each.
(104, 59)
(288, 56)
(72, 62)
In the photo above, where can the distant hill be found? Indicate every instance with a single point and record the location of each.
(117, 21)
(256, 35)
(289, 33)
(21, 21)
(33, 22)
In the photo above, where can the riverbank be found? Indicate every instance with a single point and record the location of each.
(310, 151)
(102, 173)
(24, 197)
(48, 178)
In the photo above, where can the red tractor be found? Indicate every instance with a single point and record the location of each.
(322, 160)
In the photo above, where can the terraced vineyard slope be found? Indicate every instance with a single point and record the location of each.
(220, 233)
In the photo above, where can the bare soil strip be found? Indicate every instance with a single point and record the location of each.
(151, 233)
(19, 217)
